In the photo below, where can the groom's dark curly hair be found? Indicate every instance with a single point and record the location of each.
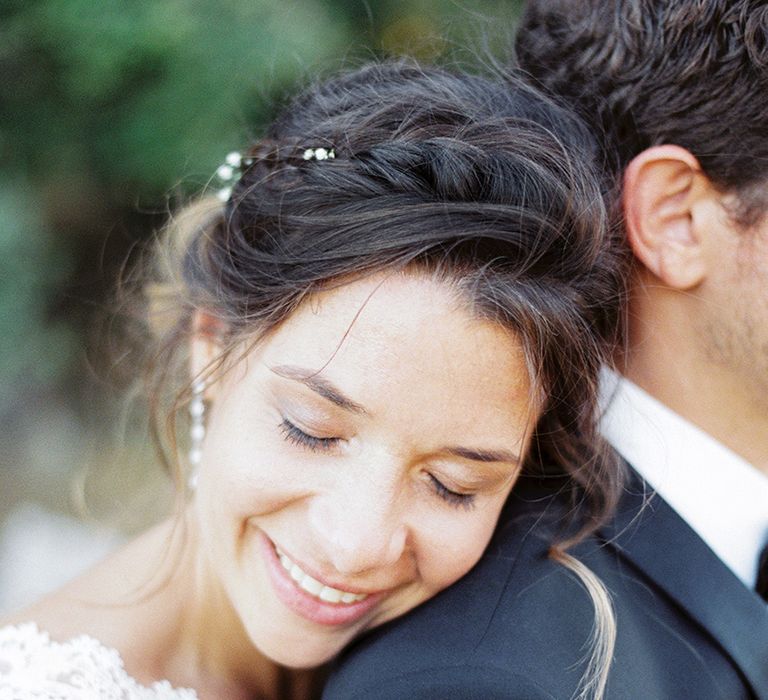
(649, 72)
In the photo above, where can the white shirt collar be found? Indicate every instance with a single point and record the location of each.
(719, 494)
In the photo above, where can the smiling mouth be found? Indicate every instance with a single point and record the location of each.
(314, 587)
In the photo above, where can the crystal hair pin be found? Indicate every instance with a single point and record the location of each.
(319, 154)
(229, 173)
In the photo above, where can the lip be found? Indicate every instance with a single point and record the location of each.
(306, 605)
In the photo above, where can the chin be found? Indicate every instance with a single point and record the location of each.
(302, 654)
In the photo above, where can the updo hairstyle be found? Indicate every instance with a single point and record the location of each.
(481, 181)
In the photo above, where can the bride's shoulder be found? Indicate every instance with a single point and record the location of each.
(74, 639)
(32, 666)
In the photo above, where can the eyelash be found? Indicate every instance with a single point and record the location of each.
(297, 436)
(459, 500)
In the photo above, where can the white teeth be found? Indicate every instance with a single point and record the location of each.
(314, 587)
(330, 595)
(311, 585)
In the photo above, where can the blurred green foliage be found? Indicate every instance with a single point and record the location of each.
(106, 107)
(31, 267)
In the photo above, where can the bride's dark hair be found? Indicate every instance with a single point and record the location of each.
(481, 181)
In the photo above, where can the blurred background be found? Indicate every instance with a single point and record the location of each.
(112, 112)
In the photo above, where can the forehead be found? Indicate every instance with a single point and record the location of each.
(409, 341)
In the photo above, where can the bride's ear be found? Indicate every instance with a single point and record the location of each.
(206, 345)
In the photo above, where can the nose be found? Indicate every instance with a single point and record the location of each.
(361, 525)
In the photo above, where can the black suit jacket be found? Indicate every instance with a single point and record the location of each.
(518, 625)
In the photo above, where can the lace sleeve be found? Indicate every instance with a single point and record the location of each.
(32, 667)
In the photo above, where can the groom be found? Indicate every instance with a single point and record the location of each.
(678, 91)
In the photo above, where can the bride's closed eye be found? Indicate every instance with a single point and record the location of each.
(297, 436)
(465, 500)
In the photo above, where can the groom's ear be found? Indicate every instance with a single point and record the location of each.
(666, 200)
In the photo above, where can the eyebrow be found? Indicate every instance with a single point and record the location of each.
(320, 386)
(485, 455)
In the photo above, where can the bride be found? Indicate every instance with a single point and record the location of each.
(397, 306)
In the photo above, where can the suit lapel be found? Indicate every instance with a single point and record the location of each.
(649, 533)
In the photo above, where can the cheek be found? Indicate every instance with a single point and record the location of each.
(452, 549)
(247, 471)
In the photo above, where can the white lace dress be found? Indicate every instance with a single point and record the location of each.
(32, 667)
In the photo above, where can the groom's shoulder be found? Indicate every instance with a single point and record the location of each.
(497, 624)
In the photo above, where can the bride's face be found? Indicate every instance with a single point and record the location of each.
(356, 462)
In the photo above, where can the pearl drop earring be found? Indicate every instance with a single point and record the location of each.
(196, 433)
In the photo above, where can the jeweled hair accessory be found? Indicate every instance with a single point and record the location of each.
(230, 171)
(319, 154)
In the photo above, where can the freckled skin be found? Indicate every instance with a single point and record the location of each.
(363, 510)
